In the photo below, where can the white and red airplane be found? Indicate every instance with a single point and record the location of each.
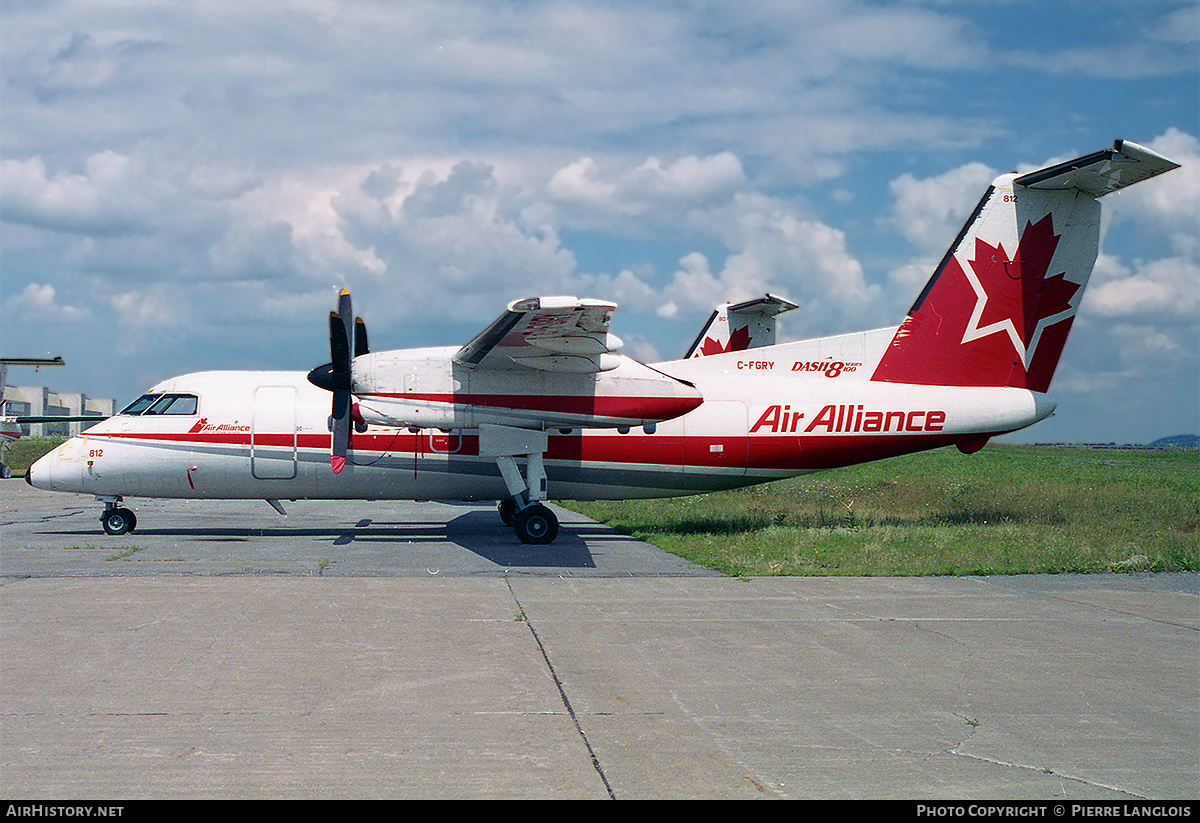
(545, 388)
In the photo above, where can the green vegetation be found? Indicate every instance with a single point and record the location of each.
(24, 452)
(1005, 510)
(127, 553)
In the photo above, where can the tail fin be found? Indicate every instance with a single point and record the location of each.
(999, 306)
(740, 326)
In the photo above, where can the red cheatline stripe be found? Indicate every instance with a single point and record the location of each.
(780, 452)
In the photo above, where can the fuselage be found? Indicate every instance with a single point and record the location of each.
(766, 414)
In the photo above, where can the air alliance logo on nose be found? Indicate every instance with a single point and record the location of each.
(203, 426)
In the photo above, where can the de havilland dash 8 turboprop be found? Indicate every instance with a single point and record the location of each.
(542, 399)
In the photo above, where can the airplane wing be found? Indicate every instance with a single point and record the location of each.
(560, 334)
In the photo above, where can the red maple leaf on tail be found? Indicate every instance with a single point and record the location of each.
(982, 328)
(739, 340)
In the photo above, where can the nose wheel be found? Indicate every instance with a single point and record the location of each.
(117, 520)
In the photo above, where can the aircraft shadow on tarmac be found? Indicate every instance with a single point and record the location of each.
(479, 532)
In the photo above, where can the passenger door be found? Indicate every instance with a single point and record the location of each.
(273, 433)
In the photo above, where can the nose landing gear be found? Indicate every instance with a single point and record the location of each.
(117, 520)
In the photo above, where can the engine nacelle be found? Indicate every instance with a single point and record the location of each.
(428, 388)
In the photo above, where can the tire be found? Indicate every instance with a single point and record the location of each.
(535, 525)
(507, 509)
(118, 521)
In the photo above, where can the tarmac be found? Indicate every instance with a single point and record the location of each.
(393, 650)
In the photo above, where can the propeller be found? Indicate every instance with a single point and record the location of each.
(336, 376)
(360, 338)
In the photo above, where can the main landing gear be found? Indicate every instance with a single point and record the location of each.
(532, 521)
(117, 520)
(535, 524)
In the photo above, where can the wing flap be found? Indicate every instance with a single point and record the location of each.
(561, 334)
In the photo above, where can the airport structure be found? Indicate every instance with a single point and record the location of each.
(40, 401)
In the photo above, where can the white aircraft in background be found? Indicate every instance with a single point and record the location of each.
(10, 426)
(545, 388)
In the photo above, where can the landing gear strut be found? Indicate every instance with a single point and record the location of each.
(117, 520)
(532, 521)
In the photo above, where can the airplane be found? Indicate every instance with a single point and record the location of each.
(543, 397)
(10, 426)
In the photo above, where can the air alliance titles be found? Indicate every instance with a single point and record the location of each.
(849, 418)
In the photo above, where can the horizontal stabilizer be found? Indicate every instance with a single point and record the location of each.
(769, 305)
(32, 361)
(1102, 172)
(740, 326)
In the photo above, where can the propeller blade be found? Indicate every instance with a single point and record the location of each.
(360, 338)
(340, 446)
(339, 348)
(344, 308)
(339, 380)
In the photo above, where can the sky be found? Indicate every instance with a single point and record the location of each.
(186, 186)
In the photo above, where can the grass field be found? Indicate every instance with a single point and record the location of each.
(1004, 510)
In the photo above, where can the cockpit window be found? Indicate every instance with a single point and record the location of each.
(173, 404)
(140, 405)
(183, 404)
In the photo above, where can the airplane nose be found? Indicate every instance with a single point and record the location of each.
(38, 475)
(61, 470)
